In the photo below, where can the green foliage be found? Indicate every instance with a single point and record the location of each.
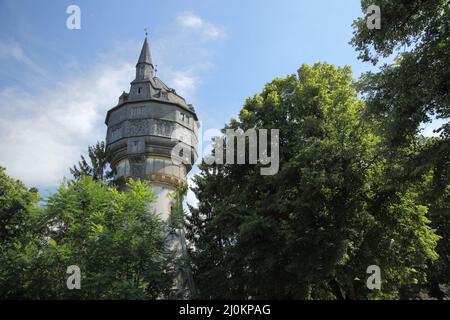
(118, 245)
(416, 87)
(177, 210)
(334, 208)
(98, 168)
(19, 222)
(412, 91)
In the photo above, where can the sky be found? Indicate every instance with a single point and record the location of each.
(57, 84)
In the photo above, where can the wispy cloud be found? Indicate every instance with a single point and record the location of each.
(12, 50)
(187, 55)
(185, 83)
(191, 22)
(44, 134)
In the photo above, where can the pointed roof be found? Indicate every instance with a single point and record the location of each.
(145, 56)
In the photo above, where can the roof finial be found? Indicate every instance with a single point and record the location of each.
(156, 69)
(146, 33)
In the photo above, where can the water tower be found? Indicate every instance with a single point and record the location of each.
(141, 132)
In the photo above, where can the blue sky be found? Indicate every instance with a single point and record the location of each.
(56, 84)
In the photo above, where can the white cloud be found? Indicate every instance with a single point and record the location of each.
(13, 50)
(44, 134)
(184, 82)
(191, 22)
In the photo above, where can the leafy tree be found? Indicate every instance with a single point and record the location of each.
(334, 208)
(409, 92)
(19, 214)
(416, 86)
(98, 168)
(110, 235)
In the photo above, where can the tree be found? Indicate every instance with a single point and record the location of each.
(409, 92)
(111, 236)
(311, 230)
(98, 168)
(415, 87)
(19, 225)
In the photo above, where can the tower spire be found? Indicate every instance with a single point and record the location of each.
(144, 66)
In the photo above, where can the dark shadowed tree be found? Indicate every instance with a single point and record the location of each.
(415, 88)
(334, 208)
(98, 166)
(408, 93)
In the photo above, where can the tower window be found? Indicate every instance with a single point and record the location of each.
(139, 90)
